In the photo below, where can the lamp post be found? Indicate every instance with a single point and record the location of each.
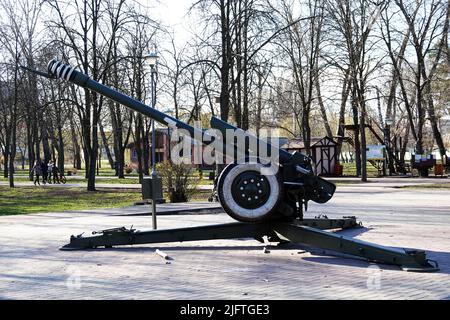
(387, 138)
(153, 59)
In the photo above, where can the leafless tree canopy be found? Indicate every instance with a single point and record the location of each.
(305, 67)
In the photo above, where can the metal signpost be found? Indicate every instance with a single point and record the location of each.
(377, 156)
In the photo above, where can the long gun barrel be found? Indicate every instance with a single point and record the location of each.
(60, 70)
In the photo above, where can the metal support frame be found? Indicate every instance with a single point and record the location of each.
(407, 259)
(307, 231)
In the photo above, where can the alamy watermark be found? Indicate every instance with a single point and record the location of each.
(73, 281)
(373, 277)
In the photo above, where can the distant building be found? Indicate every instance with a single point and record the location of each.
(162, 151)
(323, 153)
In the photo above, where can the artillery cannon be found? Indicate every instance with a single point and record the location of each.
(258, 197)
(266, 203)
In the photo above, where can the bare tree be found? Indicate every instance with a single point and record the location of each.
(17, 33)
(302, 43)
(94, 45)
(428, 33)
(354, 22)
(138, 44)
(171, 73)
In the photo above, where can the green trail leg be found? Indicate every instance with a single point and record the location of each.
(408, 260)
(122, 236)
(329, 224)
(298, 231)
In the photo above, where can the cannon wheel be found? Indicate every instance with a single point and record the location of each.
(247, 194)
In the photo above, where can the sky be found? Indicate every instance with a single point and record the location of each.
(171, 13)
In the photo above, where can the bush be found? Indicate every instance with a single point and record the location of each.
(179, 180)
(72, 172)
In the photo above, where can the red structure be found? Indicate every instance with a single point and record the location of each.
(162, 151)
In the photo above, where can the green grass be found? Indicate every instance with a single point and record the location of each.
(200, 195)
(25, 200)
(350, 170)
(103, 171)
(346, 182)
(81, 179)
(129, 179)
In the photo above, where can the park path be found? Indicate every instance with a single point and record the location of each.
(389, 182)
(32, 267)
(71, 184)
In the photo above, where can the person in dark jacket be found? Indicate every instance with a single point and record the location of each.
(37, 169)
(44, 169)
(55, 174)
(49, 171)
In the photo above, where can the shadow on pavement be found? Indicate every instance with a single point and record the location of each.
(335, 258)
(179, 248)
(353, 232)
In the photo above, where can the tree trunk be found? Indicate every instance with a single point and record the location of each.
(45, 142)
(13, 128)
(259, 105)
(137, 146)
(13, 149)
(36, 137)
(61, 155)
(341, 124)
(356, 131)
(403, 147)
(362, 129)
(322, 109)
(434, 125)
(30, 147)
(94, 149)
(106, 146)
(6, 158)
(226, 55)
(306, 131)
(75, 146)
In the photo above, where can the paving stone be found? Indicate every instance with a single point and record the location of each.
(32, 267)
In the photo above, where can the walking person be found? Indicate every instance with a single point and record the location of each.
(44, 169)
(37, 172)
(55, 173)
(49, 171)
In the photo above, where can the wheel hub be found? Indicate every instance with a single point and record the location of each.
(250, 189)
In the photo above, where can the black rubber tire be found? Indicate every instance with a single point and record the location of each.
(232, 209)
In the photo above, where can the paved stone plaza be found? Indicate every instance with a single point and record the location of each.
(32, 267)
